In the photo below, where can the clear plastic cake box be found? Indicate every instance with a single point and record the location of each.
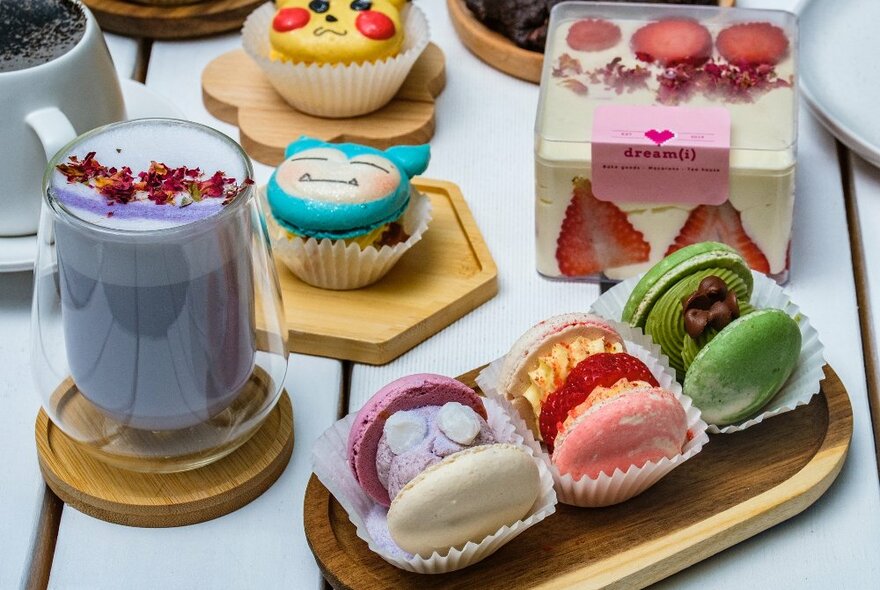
(629, 169)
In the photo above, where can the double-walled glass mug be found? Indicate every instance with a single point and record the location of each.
(159, 340)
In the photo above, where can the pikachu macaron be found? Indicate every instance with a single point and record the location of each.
(337, 31)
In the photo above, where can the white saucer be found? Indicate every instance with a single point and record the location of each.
(18, 253)
(839, 78)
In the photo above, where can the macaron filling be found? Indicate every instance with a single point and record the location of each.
(552, 370)
(428, 441)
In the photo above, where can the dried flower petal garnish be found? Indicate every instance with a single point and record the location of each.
(674, 84)
(619, 78)
(160, 184)
(567, 65)
(575, 86)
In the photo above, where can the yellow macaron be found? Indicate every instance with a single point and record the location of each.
(337, 31)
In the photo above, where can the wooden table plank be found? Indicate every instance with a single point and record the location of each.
(22, 490)
(842, 527)
(261, 545)
(862, 183)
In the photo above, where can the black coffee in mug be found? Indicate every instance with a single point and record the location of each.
(34, 32)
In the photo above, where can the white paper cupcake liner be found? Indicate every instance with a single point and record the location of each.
(620, 486)
(330, 463)
(335, 90)
(803, 383)
(333, 264)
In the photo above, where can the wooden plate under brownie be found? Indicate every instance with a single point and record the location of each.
(443, 277)
(497, 50)
(737, 486)
(172, 20)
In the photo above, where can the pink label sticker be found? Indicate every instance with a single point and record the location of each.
(659, 154)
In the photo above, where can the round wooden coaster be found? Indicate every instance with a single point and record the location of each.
(165, 499)
(235, 90)
(176, 21)
(497, 50)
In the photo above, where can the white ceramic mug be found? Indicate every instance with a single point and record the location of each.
(44, 107)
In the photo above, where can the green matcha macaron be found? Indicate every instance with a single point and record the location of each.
(743, 366)
(678, 265)
(730, 370)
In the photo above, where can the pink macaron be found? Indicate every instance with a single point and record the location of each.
(407, 393)
(630, 429)
(539, 340)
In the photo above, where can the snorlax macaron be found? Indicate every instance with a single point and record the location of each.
(423, 447)
(344, 190)
(730, 358)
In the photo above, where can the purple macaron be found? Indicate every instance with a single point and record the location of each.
(407, 393)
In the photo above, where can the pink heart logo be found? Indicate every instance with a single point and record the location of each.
(659, 137)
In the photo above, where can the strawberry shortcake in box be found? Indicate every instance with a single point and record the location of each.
(659, 127)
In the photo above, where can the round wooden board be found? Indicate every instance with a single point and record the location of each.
(165, 499)
(497, 50)
(235, 90)
(186, 21)
(737, 486)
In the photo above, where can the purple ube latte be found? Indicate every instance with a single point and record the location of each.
(155, 272)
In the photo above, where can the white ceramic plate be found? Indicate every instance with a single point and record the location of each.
(18, 254)
(840, 78)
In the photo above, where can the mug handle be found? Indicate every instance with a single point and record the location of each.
(54, 130)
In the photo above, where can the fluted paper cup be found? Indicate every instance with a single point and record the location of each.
(620, 486)
(330, 463)
(337, 265)
(803, 383)
(336, 90)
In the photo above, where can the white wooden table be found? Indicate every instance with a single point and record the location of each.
(484, 144)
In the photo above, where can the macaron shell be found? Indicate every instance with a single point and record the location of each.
(665, 322)
(406, 393)
(317, 219)
(744, 366)
(636, 427)
(466, 497)
(540, 339)
(675, 267)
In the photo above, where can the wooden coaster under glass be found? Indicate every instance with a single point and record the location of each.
(165, 477)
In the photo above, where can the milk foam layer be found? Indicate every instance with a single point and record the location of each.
(137, 144)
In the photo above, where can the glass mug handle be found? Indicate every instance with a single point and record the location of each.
(54, 130)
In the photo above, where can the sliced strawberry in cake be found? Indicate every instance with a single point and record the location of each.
(752, 44)
(720, 223)
(593, 34)
(596, 235)
(673, 41)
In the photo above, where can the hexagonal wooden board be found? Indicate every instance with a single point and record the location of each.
(443, 277)
(235, 90)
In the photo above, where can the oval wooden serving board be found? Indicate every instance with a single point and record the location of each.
(738, 486)
(497, 50)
